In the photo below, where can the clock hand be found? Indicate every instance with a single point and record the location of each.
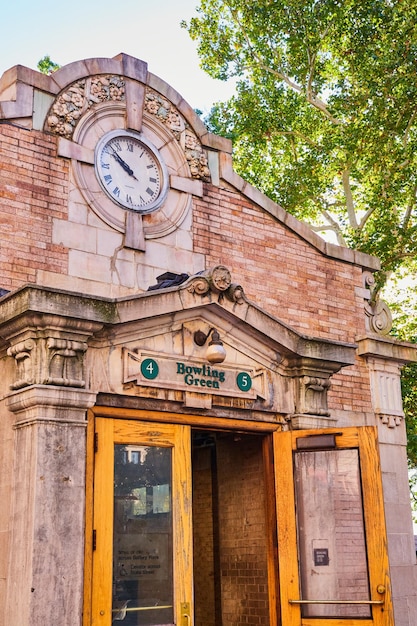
(123, 164)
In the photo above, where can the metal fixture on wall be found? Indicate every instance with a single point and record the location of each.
(216, 352)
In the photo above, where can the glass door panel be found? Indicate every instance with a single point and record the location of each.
(331, 530)
(142, 562)
(142, 536)
(331, 533)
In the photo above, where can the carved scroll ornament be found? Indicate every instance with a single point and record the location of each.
(312, 396)
(61, 363)
(218, 281)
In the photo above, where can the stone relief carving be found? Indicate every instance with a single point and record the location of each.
(390, 420)
(312, 395)
(66, 362)
(217, 280)
(199, 285)
(378, 316)
(387, 396)
(167, 114)
(60, 364)
(81, 96)
(71, 104)
(22, 353)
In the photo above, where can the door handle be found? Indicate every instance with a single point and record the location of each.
(380, 589)
(336, 601)
(185, 614)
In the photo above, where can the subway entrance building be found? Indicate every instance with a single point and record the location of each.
(201, 419)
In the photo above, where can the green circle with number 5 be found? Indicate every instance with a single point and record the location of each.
(244, 381)
(149, 369)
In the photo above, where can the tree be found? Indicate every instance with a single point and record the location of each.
(47, 66)
(324, 122)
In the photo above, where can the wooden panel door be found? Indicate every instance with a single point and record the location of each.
(332, 548)
(142, 557)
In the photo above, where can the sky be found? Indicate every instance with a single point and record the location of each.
(146, 29)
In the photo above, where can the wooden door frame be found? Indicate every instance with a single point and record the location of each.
(282, 540)
(364, 438)
(193, 421)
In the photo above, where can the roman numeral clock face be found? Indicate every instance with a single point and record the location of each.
(131, 171)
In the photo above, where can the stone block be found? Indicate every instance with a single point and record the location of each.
(74, 236)
(401, 549)
(90, 266)
(109, 242)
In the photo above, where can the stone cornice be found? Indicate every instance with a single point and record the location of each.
(49, 332)
(387, 349)
(210, 294)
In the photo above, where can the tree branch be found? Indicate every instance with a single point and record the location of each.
(409, 209)
(365, 217)
(409, 126)
(350, 206)
(333, 225)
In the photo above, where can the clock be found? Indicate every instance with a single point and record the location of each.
(131, 171)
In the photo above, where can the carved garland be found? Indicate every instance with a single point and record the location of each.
(81, 96)
(167, 114)
(71, 104)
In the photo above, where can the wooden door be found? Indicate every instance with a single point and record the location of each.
(142, 553)
(332, 548)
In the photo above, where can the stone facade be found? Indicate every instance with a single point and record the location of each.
(88, 304)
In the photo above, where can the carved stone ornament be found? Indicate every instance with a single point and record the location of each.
(378, 317)
(169, 116)
(312, 396)
(50, 362)
(80, 97)
(71, 104)
(218, 281)
(391, 421)
(66, 362)
(22, 353)
(387, 396)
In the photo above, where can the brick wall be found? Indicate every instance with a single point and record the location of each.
(279, 271)
(33, 192)
(203, 515)
(242, 537)
(289, 278)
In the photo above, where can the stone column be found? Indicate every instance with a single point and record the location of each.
(385, 358)
(46, 557)
(46, 335)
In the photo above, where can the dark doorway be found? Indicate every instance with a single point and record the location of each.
(230, 529)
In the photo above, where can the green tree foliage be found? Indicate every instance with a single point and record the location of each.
(47, 66)
(324, 121)
(405, 327)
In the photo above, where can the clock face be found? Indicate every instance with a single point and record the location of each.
(131, 171)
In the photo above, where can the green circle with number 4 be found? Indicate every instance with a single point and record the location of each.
(244, 381)
(149, 369)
